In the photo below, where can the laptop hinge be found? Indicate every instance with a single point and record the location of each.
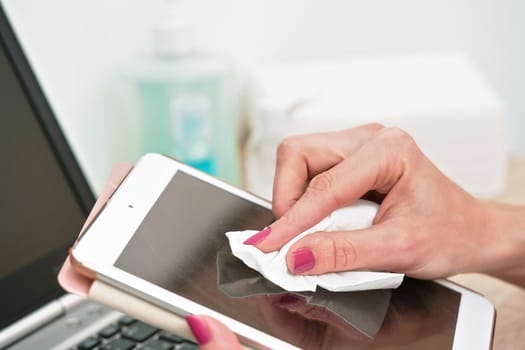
(38, 319)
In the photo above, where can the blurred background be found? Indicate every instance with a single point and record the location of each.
(218, 83)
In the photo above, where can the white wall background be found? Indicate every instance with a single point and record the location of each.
(77, 46)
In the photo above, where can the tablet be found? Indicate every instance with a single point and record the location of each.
(161, 235)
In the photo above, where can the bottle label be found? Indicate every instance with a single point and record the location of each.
(191, 127)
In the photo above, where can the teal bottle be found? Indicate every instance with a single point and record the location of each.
(187, 103)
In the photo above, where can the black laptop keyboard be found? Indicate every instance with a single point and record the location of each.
(128, 334)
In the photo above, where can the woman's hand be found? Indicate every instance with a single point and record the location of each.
(426, 226)
(212, 334)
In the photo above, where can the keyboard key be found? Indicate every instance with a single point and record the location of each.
(126, 320)
(187, 346)
(109, 331)
(157, 344)
(89, 343)
(118, 344)
(139, 331)
(168, 336)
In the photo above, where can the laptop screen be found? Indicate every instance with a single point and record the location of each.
(43, 196)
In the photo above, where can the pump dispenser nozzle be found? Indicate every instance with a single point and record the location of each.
(173, 32)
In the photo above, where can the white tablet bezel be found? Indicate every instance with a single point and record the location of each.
(132, 201)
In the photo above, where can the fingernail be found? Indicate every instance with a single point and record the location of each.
(303, 260)
(259, 236)
(287, 299)
(199, 329)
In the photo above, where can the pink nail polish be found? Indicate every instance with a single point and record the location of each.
(199, 329)
(259, 236)
(303, 260)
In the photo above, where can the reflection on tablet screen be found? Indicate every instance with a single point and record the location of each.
(176, 248)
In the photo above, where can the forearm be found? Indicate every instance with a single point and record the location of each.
(506, 224)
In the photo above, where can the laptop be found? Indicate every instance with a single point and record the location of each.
(44, 200)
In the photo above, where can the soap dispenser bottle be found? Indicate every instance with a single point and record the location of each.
(187, 100)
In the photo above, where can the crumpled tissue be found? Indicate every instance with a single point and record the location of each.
(272, 265)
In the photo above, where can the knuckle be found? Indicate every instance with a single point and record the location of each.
(373, 126)
(321, 187)
(401, 146)
(321, 183)
(399, 137)
(288, 146)
(362, 132)
(343, 254)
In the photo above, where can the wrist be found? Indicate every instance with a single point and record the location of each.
(504, 226)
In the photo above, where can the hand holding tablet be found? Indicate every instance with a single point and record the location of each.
(157, 238)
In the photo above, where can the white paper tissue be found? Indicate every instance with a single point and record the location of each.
(273, 265)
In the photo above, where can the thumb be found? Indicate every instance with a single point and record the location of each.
(376, 248)
(212, 334)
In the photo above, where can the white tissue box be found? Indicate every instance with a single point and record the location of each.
(440, 99)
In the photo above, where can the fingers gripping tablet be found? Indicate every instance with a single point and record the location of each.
(164, 250)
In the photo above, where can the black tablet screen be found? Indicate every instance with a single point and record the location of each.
(176, 248)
